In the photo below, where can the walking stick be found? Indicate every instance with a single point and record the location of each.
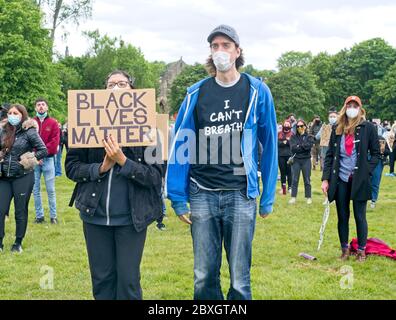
(326, 215)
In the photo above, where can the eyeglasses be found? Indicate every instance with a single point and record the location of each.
(301, 126)
(120, 84)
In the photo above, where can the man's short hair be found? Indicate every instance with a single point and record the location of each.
(41, 100)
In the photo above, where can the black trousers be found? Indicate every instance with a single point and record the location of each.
(285, 171)
(343, 198)
(304, 166)
(19, 189)
(114, 255)
(392, 159)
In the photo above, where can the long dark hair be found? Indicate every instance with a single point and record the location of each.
(9, 131)
(211, 68)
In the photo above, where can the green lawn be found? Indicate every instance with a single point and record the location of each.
(167, 268)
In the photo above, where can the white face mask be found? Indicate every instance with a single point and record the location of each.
(352, 113)
(222, 61)
(332, 120)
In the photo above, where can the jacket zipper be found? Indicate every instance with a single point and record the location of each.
(9, 166)
(254, 98)
(108, 197)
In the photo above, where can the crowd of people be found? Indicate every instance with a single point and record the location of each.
(214, 190)
(303, 147)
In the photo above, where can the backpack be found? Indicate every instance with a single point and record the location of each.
(375, 246)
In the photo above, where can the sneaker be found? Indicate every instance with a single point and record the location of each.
(309, 201)
(54, 221)
(161, 226)
(292, 200)
(1, 248)
(16, 248)
(39, 220)
(372, 204)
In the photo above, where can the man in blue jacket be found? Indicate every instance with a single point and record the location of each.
(213, 165)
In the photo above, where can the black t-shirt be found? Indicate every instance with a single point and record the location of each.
(219, 118)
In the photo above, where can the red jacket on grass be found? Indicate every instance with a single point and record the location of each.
(49, 132)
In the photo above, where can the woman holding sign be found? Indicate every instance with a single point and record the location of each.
(118, 195)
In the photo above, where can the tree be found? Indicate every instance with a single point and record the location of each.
(185, 79)
(108, 54)
(63, 11)
(294, 91)
(26, 69)
(384, 97)
(263, 74)
(294, 59)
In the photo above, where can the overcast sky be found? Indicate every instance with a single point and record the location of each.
(166, 30)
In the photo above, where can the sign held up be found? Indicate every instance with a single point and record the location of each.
(128, 115)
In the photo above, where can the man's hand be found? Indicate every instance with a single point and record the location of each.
(106, 165)
(113, 151)
(264, 215)
(185, 218)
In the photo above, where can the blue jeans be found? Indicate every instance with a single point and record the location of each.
(58, 162)
(376, 180)
(48, 170)
(217, 217)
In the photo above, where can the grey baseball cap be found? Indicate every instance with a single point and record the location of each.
(224, 30)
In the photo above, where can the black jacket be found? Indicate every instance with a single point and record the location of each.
(27, 139)
(144, 183)
(366, 141)
(301, 145)
(283, 148)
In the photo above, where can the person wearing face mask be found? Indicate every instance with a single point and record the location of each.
(20, 149)
(227, 114)
(323, 136)
(50, 134)
(301, 145)
(348, 170)
(314, 128)
(118, 195)
(284, 153)
(377, 174)
(390, 138)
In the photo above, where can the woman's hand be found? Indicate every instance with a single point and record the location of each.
(106, 165)
(113, 151)
(325, 186)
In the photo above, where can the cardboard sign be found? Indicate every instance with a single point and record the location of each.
(325, 136)
(163, 134)
(128, 115)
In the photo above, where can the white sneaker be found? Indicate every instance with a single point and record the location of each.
(372, 205)
(309, 201)
(292, 201)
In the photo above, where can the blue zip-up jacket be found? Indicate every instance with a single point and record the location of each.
(260, 123)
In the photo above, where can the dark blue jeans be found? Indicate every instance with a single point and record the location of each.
(217, 217)
(376, 181)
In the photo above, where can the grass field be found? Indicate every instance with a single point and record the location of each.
(167, 268)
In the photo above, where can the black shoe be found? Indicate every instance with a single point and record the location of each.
(16, 247)
(54, 221)
(39, 220)
(161, 226)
